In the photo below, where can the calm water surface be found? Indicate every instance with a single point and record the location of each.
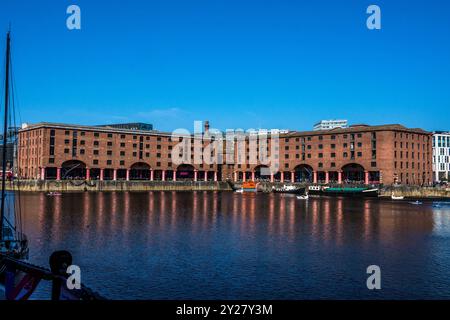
(205, 245)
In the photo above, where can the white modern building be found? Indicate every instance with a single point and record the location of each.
(441, 156)
(330, 124)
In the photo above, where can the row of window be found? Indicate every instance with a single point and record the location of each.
(411, 135)
(407, 155)
(332, 137)
(352, 136)
(407, 166)
(407, 145)
(352, 154)
(332, 146)
(441, 141)
(124, 136)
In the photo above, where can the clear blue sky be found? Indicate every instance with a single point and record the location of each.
(239, 64)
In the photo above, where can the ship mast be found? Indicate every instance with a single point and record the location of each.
(5, 135)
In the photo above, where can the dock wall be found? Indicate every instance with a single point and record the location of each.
(122, 185)
(96, 186)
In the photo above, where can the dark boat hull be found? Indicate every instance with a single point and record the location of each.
(345, 193)
(352, 194)
(296, 191)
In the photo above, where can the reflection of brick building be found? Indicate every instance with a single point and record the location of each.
(370, 154)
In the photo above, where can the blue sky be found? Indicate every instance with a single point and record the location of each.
(240, 64)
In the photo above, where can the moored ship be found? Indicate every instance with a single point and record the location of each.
(248, 186)
(343, 191)
(289, 189)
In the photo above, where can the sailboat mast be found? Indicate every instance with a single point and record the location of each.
(5, 135)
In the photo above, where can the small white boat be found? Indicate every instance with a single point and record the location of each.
(54, 194)
(303, 197)
(397, 197)
(239, 190)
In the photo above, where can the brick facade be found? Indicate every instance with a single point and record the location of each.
(365, 154)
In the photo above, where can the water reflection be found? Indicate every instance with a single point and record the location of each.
(227, 245)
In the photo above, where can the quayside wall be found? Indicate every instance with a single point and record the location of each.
(95, 186)
(122, 185)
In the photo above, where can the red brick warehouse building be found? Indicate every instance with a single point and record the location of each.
(358, 154)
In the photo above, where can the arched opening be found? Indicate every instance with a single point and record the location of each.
(169, 175)
(353, 173)
(157, 175)
(287, 176)
(121, 174)
(375, 177)
(277, 176)
(50, 174)
(262, 173)
(303, 173)
(95, 174)
(73, 169)
(108, 174)
(201, 175)
(333, 177)
(321, 176)
(211, 175)
(140, 171)
(185, 172)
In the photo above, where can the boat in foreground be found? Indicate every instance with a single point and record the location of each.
(18, 278)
